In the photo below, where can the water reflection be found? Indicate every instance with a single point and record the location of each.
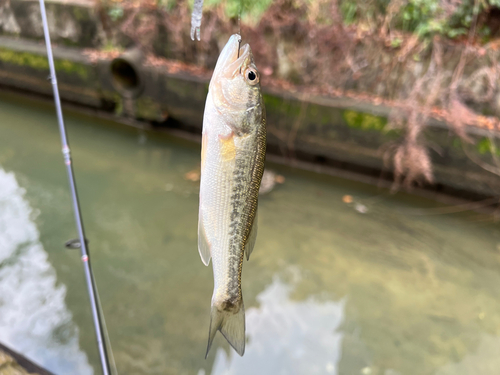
(34, 319)
(287, 336)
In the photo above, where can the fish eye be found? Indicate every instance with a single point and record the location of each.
(252, 76)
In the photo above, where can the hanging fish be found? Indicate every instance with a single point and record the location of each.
(196, 18)
(232, 163)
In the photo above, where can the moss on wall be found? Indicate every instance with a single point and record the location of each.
(148, 108)
(40, 62)
(364, 121)
(276, 104)
(486, 146)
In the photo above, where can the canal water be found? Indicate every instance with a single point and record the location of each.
(344, 279)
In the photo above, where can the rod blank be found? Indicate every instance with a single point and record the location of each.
(89, 277)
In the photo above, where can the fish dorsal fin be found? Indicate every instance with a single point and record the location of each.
(251, 237)
(203, 245)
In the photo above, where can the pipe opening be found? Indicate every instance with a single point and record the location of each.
(125, 77)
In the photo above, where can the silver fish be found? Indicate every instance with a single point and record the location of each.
(232, 163)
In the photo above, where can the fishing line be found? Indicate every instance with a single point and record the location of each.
(89, 276)
(431, 211)
(239, 29)
(239, 17)
(106, 334)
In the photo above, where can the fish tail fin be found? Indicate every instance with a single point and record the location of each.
(231, 323)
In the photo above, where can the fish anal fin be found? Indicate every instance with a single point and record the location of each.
(203, 245)
(231, 323)
(252, 237)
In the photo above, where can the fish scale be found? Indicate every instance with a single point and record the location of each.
(233, 152)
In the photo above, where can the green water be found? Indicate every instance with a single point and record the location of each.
(398, 289)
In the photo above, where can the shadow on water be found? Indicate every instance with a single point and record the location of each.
(332, 287)
(34, 319)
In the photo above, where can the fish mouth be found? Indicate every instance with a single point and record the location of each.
(233, 59)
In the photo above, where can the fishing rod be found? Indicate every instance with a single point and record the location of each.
(89, 276)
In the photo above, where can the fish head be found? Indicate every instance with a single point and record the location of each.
(235, 87)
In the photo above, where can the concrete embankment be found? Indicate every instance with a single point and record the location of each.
(12, 363)
(341, 132)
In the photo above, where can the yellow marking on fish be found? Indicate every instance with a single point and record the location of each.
(228, 149)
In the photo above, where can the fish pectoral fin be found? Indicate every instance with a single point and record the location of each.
(252, 237)
(232, 326)
(203, 245)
